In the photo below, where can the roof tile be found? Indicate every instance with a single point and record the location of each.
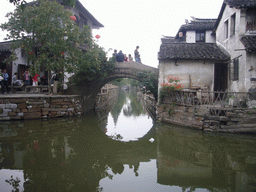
(241, 3)
(249, 43)
(192, 51)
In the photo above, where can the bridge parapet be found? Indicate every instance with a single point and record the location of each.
(135, 66)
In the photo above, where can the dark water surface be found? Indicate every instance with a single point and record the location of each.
(111, 151)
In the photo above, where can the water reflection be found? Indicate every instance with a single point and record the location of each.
(128, 120)
(216, 162)
(75, 154)
(68, 154)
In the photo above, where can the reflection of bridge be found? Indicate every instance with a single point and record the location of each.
(121, 70)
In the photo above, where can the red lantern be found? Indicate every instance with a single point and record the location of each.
(97, 36)
(72, 17)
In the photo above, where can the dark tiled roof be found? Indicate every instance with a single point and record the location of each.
(79, 5)
(5, 46)
(88, 14)
(199, 24)
(249, 43)
(241, 3)
(192, 51)
(170, 40)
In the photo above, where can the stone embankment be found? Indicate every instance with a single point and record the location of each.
(18, 107)
(228, 120)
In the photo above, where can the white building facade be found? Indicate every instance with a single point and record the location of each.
(235, 30)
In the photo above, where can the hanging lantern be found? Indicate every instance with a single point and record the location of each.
(97, 36)
(72, 17)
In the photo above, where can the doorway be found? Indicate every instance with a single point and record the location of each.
(220, 76)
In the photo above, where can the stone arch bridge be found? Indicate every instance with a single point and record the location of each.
(121, 70)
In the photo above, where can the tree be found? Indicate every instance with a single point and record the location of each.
(51, 40)
(71, 3)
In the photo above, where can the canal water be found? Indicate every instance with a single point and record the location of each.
(121, 148)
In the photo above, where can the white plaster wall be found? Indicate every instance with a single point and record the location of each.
(209, 38)
(19, 61)
(251, 64)
(190, 36)
(234, 46)
(194, 73)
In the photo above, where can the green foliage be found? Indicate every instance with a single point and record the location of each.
(15, 183)
(71, 3)
(170, 112)
(53, 41)
(17, 2)
(149, 80)
(94, 67)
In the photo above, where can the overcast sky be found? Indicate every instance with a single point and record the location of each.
(139, 22)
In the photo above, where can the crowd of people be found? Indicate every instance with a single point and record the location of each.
(120, 57)
(28, 79)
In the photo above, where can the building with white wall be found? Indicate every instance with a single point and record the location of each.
(235, 30)
(219, 54)
(193, 56)
(83, 17)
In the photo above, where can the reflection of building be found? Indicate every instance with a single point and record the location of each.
(189, 159)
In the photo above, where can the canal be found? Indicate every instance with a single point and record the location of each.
(121, 148)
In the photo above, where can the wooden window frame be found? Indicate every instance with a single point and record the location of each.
(202, 36)
(226, 29)
(233, 25)
(234, 70)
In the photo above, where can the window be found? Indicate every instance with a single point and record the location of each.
(83, 21)
(233, 25)
(226, 29)
(234, 70)
(200, 36)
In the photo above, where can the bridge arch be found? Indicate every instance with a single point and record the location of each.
(121, 70)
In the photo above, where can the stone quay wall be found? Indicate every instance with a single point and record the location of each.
(20, 107)
(233, 121)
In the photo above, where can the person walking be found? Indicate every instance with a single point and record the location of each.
(35, 82)
(137, 54)
(5, 82)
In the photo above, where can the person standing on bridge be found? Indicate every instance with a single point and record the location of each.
(120, 56)
(115, 53)
(137, 54)
(130, 57)
(125, 58)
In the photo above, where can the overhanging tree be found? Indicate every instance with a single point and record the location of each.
(64, 2)
(52, 40)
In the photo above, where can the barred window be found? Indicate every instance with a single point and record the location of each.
(234, 70)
